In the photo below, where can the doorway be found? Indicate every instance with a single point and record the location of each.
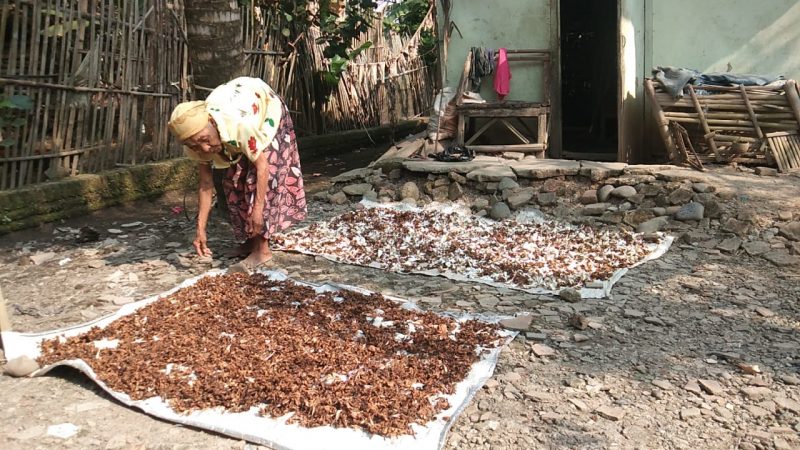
(589, 79)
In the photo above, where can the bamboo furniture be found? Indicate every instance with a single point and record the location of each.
(785, 148)
(727, 123)
(509, 114)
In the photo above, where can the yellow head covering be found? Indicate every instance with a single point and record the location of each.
(188, 119)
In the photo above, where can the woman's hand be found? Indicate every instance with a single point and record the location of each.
(201, 244)
(255, 223)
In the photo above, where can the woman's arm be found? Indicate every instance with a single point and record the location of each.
(204, 195)
(262, 182)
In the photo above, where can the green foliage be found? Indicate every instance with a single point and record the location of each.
(10, 109)
(405, 17)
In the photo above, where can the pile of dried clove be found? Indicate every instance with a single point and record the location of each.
(525, 255)
(336, 358)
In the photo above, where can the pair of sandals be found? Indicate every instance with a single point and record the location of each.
(455, 153)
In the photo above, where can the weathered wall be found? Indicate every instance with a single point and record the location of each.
(513, 24)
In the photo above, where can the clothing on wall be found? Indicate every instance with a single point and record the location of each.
(502, 76)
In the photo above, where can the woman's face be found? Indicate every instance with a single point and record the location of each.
(205, 141)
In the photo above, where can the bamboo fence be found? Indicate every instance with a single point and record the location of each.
(102, 76)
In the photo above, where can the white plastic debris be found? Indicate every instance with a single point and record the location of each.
(63, 430)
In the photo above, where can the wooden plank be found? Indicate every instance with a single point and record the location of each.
(481, 130)
(661, 119)
(751, 112)
(515, 132)
(522, 148)
(710, 140)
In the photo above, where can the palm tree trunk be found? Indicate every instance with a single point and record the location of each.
(214, 29)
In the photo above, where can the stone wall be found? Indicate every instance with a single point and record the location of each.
(76, 196)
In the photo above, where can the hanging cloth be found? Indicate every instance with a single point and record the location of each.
(502, 75)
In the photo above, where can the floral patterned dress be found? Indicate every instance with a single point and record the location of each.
(252, 120)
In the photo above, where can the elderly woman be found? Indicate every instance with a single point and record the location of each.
(244, 127)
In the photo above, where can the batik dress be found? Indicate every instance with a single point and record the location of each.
(252, 120)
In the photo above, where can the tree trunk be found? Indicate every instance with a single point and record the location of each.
(214, 29)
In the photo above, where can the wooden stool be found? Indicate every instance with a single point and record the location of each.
(504, 113)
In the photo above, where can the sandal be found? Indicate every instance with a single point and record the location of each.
(246, 268)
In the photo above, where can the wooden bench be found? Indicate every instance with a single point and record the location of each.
(509, 114)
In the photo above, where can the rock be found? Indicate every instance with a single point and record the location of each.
(688, 413)
(491, 173)
(352, 175)
(443, 181)
(440, 194)
(755, 248)
(578, 338)
(637, 217)
(521, 198)
(596, 209)
(672, 210)
(659, 212)
(597, 171)
(790, 380)
(605, 193)
(480, 203)
(570, 295)
(507, 183)
(737, 227)
(409, 190)
(371, 196)
(395, 174)
(357, 189)
(542, 350)
(766, 172)
(500, 211)
(653, 225)
(634, 314)
(21, 367)
(791, 231)
(781, 258)
(712, 206)
(339, 198)
(730, 245)
(554, 185)
(612, 217)
(546, 168)
(132, 224)
(691, 211)
(516, 156)
(541, 337)
(589, 197)
(788, 404)
(655, 321)
(519, 323)
(712, 387)
(764, 312)
(624, 192)
(455, 192)
(409, 201)
(757, 393)
(546, 199)
(756, 411)
(694, 387)
(579, 404)
(664, 384)
(578, 321)
(785, 216)
(681, 195)
(702, 188)
(39, 258)
(610, 413)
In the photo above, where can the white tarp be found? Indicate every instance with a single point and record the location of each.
(249, 426)
(599, 289)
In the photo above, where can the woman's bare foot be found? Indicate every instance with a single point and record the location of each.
(242, 250)
(260, 254)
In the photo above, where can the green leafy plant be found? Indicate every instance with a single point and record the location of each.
(405, 17)
(10, 117)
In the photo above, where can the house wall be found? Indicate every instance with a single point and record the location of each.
(513, 24)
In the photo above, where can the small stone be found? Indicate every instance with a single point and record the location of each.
(96, 263)
(357, 189)
(371, 196)
(702, 188)
(782, 444)
(115, 231)
(688, 413)
(596, 209)
(791, 231)
(766, 172)
(681, 195)
(624, 192)
(655, 321)
(789, 404)
(579, 404)
(610, 413)
(757, 393)
(756, 248)
(730, 245)
(785, 216)
(458, 178)
(781, 258)
(339, 198)
(691, 211)
(653, 225)
(570, 295)
(40, 258)
(577, 337)
(756, 411)
(443, 181)
(664, 384)
(637, 217)
(132, 225)
(579, 321)
(507, 183)
(173, 245)
(546, 198)
(480, 203)
(633, 314)
(790, 380)
(455, 192)
(516, 156)
(409, 190)
(395, 174)
(712, 387)
(21, 367)
(694, 387)
(500, 211)
(764, 312)
(542, 350)
(605, 193)
(520, 198)
(519, 323)
(440, 194)
(589, 197)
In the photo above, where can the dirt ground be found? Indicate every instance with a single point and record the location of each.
(656, 367)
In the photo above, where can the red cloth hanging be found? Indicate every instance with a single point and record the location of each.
(502, 75)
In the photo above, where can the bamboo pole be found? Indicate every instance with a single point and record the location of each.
(661, 120)
(709, 136)
(792, 96)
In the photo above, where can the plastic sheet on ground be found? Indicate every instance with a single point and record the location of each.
(598, 289)
(272, 432)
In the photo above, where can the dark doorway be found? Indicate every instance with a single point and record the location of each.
(589, 78)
